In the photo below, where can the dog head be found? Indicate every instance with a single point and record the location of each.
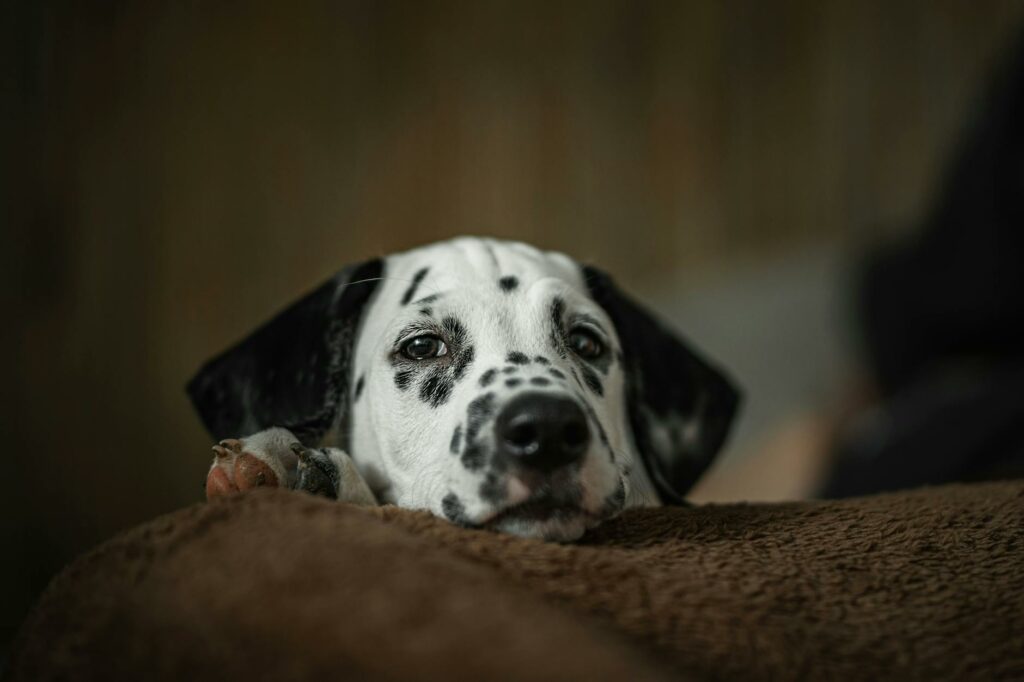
(490, 382)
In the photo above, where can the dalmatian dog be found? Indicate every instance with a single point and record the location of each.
(494, 384)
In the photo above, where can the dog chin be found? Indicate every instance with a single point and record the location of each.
(555, 517)
(544, 520)
(562, 527)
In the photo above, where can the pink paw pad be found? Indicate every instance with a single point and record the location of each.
(235, 471)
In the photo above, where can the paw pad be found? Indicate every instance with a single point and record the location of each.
(235, 471)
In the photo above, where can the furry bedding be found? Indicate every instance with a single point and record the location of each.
(277, 585)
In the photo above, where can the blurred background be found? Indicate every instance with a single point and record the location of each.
(177, 172)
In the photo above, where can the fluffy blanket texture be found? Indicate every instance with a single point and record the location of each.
(277, 585)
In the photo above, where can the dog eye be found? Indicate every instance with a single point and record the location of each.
(585, 344)
(424, 348)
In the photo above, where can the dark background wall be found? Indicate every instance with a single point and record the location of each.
(175, 172)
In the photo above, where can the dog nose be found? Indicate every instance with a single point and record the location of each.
(542, 431)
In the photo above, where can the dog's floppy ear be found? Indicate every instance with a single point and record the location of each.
(294, 370)
(680, 406)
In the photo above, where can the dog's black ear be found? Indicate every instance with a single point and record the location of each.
(680, 406)
(294, 370)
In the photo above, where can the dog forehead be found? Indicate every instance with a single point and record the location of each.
(478, 265)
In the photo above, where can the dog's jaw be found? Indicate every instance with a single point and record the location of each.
(562, 527)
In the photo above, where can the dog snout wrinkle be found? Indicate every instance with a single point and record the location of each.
(542, 431)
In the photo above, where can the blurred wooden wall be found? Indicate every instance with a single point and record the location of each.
(178, 171)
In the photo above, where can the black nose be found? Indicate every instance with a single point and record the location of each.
(542, 431)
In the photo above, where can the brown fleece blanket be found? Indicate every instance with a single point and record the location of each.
(277, 585)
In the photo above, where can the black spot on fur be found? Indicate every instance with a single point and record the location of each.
(454, 510)
(508, 284)
(491, 490)
(541, 360)
(556, 373)
(517, 358)
(462, 362)
(477, 413)
(456, 439)
(592, 380)
(455, 330)
(487, 377)
(576, 377)
(416, 279)
(427, 311)
(540, 381)
(359, 386)
(557, 332)
(512, 383)
(403, 378)
(473, 457)
(509, 370)
(437, 387)
(427, 300)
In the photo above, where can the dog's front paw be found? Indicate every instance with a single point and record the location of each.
(317, 474)
(330, 472)
(264, 460)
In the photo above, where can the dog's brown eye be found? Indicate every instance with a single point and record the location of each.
(424, 348)
(585, 344)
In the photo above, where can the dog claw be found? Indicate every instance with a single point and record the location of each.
(221, 451)
(232, 444)
(300, 452)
